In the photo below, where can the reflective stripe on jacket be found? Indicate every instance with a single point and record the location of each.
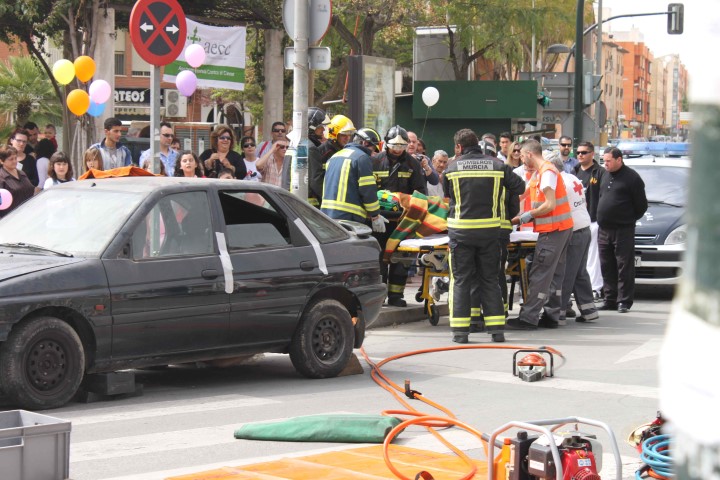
(475, 185)
(349, 190)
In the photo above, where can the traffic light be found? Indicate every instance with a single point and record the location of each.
(676, 13)
(591, 88)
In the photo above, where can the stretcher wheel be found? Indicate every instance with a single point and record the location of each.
(434, 312)
(419, 296)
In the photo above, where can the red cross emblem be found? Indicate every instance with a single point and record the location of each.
(578, 188)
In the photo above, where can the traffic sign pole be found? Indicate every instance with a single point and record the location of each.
(155, 120)
(157, 30)
(301, 73)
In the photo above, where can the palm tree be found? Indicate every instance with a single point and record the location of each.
(27, 92)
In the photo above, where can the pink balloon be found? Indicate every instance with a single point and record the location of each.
(5, 199)
(186, 82)
(195, 55)
(99, 91)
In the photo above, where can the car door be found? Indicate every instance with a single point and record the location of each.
(168, 294)
(274, 268)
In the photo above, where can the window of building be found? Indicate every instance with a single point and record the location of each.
(119, 63)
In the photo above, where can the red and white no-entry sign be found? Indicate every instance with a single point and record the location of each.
(157, 30)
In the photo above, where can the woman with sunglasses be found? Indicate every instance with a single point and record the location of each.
(221, 154)
(249, 156)
(514, 159)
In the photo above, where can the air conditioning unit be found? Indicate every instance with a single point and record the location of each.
(175, 104)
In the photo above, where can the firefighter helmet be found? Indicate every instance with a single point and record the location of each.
(369, 135)
(396, 135)
(317, 118)
(487, 148)
(531, 367)
(340, 125)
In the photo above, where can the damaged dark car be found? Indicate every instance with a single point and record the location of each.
(104, 275)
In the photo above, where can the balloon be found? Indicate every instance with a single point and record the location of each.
(5, 199)
(195, 55)
(430, 96)
(63, 71)
(78, 101)
(186, 82)
(96, 109)
(84, 68)
(99, 91)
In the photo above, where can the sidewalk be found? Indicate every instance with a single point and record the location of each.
(414, 312)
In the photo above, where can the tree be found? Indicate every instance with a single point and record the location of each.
(27, 92)
(501, 31)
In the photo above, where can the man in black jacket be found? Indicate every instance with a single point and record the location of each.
(476, 185)
(396, 170)
(589, 172)
(622, 202)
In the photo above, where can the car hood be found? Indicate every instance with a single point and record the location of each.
(659, 220)
(15, 265)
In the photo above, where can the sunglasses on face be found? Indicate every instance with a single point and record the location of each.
(582, 152)
(279, 130)
(225, 138)
(516, 151)
(566, 145)
(248, 145)
(282, 147)
(167, 135)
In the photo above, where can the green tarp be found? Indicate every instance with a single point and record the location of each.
(347, 428)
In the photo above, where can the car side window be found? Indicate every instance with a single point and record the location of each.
(251, 221)
(179, 224)
(324, 229)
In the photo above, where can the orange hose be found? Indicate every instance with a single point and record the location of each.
(430, 421)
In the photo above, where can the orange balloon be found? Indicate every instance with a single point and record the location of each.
(84, 68)
(78, 101)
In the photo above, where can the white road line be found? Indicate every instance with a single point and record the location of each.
(152, 443)
(651, 348)
(160, 409)
(563, 384)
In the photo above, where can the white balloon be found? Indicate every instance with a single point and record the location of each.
(430, 96)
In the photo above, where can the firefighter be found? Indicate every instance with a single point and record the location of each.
(349, 189)
(339, 132)
(371, 139)
(396, 171)
(475, 184)
(317, 120)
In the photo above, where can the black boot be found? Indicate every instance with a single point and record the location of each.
(460, 334)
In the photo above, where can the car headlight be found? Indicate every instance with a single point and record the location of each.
(677, 236)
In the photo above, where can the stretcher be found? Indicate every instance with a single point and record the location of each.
(431, 254)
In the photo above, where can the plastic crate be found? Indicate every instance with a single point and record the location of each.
(33, 446)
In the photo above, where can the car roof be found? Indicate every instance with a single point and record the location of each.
(683, 162)
(150, 184)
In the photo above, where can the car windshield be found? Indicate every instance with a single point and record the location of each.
(664, 184)
(77, 222)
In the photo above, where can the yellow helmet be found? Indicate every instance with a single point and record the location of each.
(340, 125)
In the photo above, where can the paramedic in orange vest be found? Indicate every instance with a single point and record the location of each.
(553, 222)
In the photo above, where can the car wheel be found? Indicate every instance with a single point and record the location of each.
(42, 363)
(323, 341)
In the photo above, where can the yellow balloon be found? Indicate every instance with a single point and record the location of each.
(63, 71)
(84, 68)
(78, 101)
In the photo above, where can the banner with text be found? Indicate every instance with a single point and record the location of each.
(224, 65)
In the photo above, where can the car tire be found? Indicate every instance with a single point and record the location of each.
(42, 364)
(323, 342)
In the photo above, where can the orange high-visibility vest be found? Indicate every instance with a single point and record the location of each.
(530, 198)
(560, 218)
